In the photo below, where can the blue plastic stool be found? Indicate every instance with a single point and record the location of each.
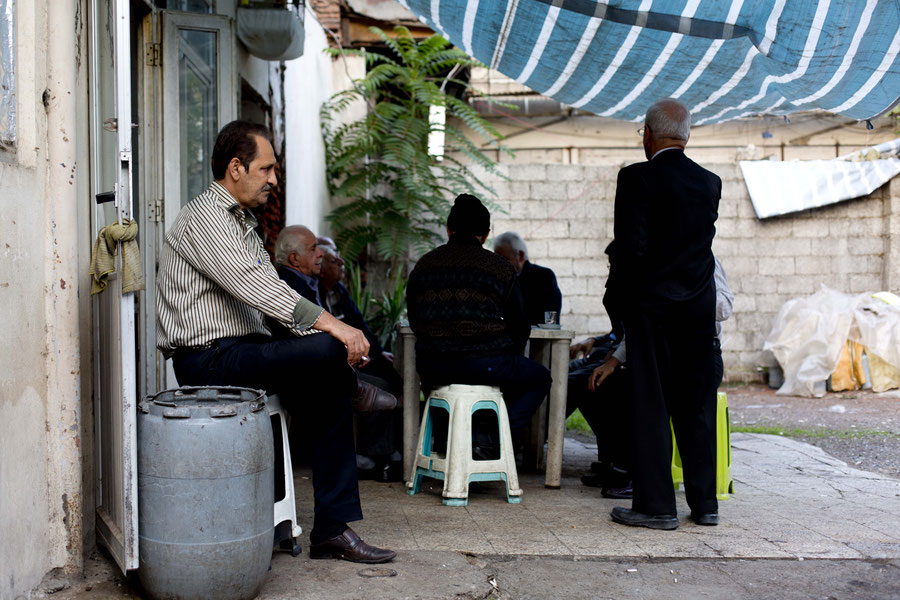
(457, 468)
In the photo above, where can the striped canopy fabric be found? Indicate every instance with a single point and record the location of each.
(723, 59)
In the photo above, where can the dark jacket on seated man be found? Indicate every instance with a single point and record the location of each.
(345, 307)
(301, 283)
(464, 301)
(540, 291)
(467, 312)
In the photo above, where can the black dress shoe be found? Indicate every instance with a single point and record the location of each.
(708, 519)
(348, 546)
(626, 516)
(485, 452)
(593, 479)
(619, 493)
(599, 467)
(367, 474)
(391, 472)
(609, 477)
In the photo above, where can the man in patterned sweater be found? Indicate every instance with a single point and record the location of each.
(468, 315)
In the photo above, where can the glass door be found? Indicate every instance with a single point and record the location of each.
(199, 97)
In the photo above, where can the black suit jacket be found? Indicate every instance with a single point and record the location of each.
(294, 280)
(665, 215)
(540, 292)
(346, 309)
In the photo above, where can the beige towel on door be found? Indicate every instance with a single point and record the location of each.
(103, 258)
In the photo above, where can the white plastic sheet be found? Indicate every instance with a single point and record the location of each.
(779, 188)
(807, 339)
(809, 333)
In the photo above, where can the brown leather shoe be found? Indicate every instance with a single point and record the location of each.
(369, 398)
(348, 546)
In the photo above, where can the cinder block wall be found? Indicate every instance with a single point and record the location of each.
(565, 214)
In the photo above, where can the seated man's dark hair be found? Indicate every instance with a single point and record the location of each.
(236, 140)
(469, 216)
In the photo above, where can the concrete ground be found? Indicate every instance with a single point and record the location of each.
(801, 524)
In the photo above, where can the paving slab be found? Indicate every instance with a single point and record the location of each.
(792, 500)
(801, 524)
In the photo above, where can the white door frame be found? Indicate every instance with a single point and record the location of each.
(115, 361)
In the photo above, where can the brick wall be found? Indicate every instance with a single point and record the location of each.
(565, 214)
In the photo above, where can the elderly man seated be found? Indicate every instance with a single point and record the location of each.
(538, 284)
(599, 385)
(466, 310)
(336, 297)
(606, 406)
(302, 263)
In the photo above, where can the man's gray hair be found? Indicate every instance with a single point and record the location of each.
(289, 241)
(513, 240)
(669, 118)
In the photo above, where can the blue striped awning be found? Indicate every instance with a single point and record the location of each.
(724, 59)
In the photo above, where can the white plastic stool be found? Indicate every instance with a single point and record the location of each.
(457, 467)
(285, 508)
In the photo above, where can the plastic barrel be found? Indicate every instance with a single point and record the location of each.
(205, 493)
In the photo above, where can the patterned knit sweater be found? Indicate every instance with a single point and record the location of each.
(464, 301)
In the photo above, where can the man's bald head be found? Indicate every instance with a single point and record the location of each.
(667, 124)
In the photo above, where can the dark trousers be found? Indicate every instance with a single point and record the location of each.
(524, 382)
(671, 354)
(311, 376)
(608, 410)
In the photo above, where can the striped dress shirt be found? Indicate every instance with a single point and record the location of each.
(215, 279)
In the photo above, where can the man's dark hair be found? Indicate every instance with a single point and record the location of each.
(469, 216)
(236, 140)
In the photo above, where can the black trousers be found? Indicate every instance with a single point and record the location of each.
(311, 376)
(671, 354)
(608, 410)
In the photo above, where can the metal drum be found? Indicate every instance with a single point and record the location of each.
(205, 493)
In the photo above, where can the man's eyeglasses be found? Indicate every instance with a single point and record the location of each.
(640, 131)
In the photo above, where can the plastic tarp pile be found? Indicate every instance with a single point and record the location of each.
(811, 334)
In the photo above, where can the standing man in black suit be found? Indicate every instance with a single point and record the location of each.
(661, 268)
(538, 284)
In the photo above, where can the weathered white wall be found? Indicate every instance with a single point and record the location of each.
(565, 214)
(40, 461)
(307, 84)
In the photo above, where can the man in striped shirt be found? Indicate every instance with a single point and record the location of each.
(216, 285)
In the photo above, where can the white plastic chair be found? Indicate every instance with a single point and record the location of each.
(285, 508)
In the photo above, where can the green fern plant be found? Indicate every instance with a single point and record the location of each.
(361, 296)
(392, 194)
(389, 310)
